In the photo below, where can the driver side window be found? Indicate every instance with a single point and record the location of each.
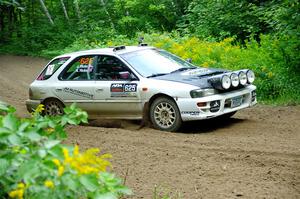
(110, 68)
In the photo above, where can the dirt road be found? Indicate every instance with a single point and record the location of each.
(256, 154)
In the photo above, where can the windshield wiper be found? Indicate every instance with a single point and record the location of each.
(156, 75)
(183, 69)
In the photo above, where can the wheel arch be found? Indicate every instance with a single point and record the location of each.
(154, 97)
(147, 105)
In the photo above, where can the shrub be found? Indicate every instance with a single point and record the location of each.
(276, 79)
(35, 164)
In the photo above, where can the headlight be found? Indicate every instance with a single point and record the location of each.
(220, 82)
(202, 92)
(243, 78)
(226, 83)
(250, 76)
(234, 79)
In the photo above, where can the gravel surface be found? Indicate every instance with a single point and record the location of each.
(255, 154)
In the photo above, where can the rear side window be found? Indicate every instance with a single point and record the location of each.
(52, 67)
(82, 68)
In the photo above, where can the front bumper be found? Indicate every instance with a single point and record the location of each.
(191, 111)
(31, 105)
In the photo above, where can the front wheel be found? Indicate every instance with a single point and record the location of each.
(53, 107)
(165, 115)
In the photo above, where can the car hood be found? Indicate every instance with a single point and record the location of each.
(196, 77)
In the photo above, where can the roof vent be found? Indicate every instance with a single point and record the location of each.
(143, 44)
(118, 48)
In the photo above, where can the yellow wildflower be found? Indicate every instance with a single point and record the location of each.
(110, 43)
(56, 162)
(60, 171)
(49, 184)
(19, 192)
(49, 130)
(228, 40)
(107, 155)
(209, 50)
(21, 185)
(39, 108)
(68, 159)
(76, 150)
(270, 74)
(87, 162)
(205, 64)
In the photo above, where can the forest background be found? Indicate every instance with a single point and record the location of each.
(262, 35)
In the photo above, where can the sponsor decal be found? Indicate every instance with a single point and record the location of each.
(50, 69)
(85, 65)
(192, 113)
(84, 68)
(196, 72)
(78, 93)
(123, 90)
(84, 61)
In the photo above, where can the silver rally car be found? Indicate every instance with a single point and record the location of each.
(138, 82)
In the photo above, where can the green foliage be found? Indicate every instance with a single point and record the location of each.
(34, 163)
(275, 81)
(221, 19)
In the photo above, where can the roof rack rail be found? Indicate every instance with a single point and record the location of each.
(143, 44)
(118, 48)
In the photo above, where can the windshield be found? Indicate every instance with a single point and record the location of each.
(154, 62)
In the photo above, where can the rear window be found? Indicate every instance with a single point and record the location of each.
(52, 67)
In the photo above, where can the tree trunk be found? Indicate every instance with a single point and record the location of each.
(64, 9)
(77, 10)
(10, 21)
(19, 23)
(46, 12)
(112, 25)
(1, 19)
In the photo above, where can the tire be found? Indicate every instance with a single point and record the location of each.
(53, 107)
(165, 115)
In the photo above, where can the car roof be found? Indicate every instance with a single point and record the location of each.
(107, 51)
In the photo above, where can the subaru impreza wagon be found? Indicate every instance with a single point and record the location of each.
(138, 82)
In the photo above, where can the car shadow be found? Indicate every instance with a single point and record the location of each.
(115, 123)
(209, 125)
(190, 127)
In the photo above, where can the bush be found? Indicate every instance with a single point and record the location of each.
(35, 164)
(277, 79)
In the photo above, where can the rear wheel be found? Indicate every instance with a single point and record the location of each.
(53, 107)
(165, 115)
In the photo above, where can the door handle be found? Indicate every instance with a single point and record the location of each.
(99, 89)
(58, 89)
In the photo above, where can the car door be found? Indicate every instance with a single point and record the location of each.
(77, 84)
(116, 89)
